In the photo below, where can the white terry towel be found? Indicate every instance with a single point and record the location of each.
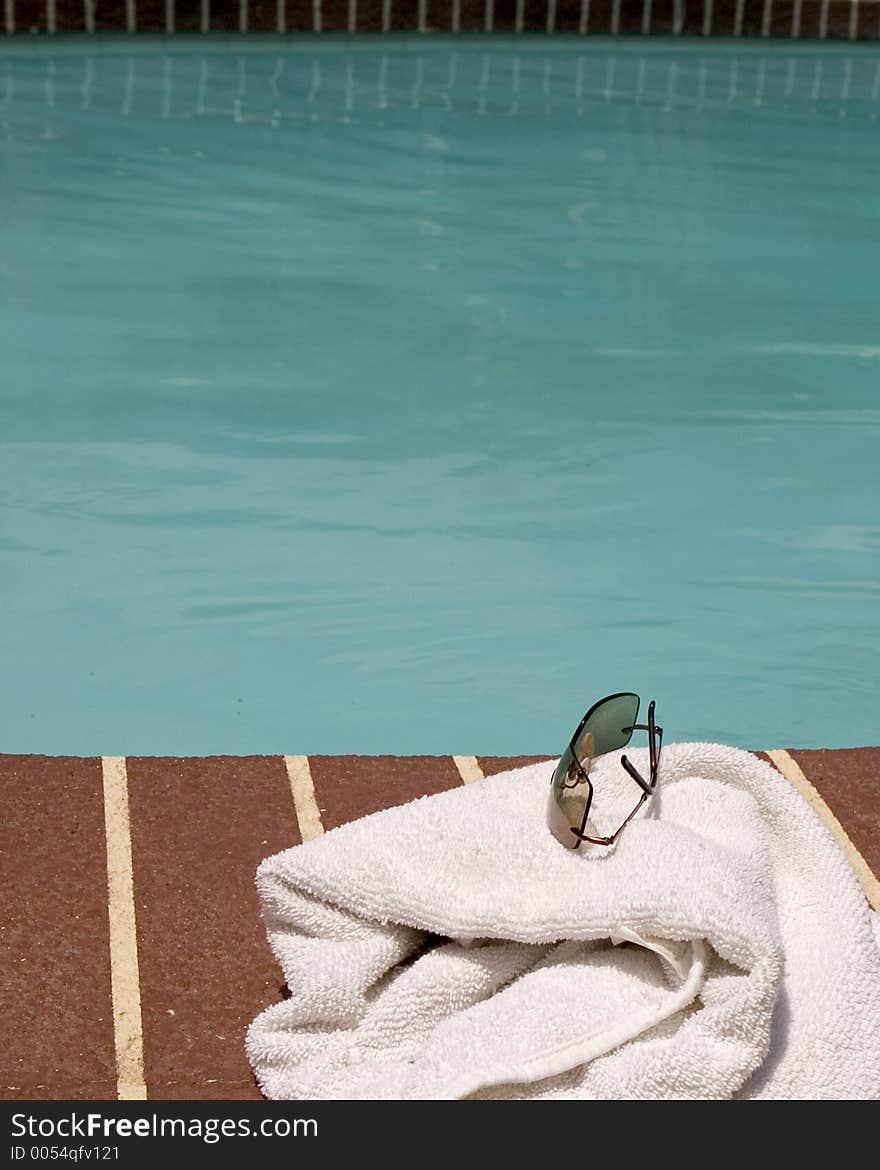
(453, 948)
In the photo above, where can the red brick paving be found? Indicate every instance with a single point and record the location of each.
(348, 787)
(56, 1026)
(492, 764)
(849, 781)
(199, 829)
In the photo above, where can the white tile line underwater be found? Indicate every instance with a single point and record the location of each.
(853, 19)
(792, 771)
(128, 1029)
(166, 77)
(131, 22)
(302, 787)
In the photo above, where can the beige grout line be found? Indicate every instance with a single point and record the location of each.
(128, 1029)
(791, 770)
(468, 768)
(308, 814)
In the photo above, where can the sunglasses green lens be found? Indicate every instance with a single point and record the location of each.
(610, 724)
(607, 727)
(568, 799)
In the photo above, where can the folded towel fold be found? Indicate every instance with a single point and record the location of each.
(453, 948)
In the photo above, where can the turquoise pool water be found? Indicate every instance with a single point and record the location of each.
(408, 395)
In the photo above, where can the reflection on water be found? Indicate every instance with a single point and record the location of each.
(406, 398)
(257, 85)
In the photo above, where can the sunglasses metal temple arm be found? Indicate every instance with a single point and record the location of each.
(652, 742)
(643, 784)
(629, 818)
(655, 742)
(658, 744)
(608, 840)
(581, 837)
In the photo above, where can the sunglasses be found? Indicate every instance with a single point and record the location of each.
(606, 727)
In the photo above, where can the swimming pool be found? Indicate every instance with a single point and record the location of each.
(407, 396)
